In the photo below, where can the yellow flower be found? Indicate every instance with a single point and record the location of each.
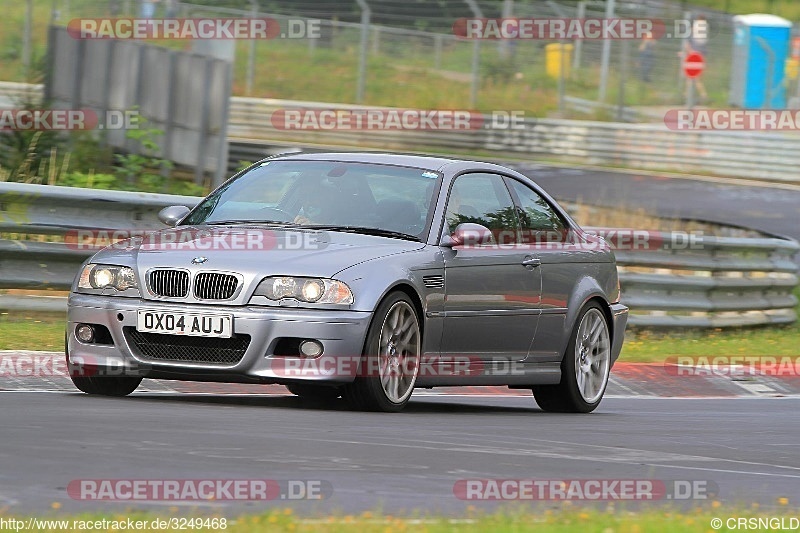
(783, 501)
(715, 504)
(288, 511)
(56, 505)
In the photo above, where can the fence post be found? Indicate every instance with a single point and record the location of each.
(251, 58)
(476, 58)
(362, 53)
(437, 54)
(26, 40)
(507, 12)
(220, 173)
(623, 76)
(200, 167)
(601, 95)
(578, 44)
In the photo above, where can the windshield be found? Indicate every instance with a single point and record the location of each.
(329, 194)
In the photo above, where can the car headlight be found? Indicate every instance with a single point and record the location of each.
(310, 290)
(104, 276)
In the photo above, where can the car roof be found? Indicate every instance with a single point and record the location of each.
(406, 160)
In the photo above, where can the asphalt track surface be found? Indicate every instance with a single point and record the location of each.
(394, 462)
(768, 208)
(411, 461)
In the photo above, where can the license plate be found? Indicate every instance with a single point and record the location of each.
(191, 324)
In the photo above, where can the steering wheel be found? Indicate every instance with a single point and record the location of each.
(286, 217)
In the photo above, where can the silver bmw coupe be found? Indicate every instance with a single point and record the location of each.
(363, 276)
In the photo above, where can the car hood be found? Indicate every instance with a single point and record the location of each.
(252, 250)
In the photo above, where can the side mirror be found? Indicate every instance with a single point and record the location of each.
(173, 214)
(468, 234)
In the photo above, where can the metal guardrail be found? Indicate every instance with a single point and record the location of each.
(753, 155)
(721, 281)
(21, 92)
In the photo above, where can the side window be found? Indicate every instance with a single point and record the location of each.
(482, 199)
(537, 219)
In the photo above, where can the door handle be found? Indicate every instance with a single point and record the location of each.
(532, 262)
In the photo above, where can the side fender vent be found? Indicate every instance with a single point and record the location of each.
(435, 281)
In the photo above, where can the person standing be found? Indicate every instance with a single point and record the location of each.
(647, 58)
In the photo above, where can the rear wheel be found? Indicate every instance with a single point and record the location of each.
(314, 392)
(390, 363)
(585, 368)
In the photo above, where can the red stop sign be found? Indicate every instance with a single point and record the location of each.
(693, 64)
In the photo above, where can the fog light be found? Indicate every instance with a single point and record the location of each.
(84, 333)
(311, 348)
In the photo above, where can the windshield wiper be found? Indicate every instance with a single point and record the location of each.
(366, 231)
(260, 222)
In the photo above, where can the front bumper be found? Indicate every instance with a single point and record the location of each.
(342, 334)
(619, 316)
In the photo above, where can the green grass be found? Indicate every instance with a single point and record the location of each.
(644, 346)
(20, 330)
(649, 346)
(517, 519)
(789, 9)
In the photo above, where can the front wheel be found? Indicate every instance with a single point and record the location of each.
(390, 362)
(106, 385)
(101, 385)
(585, 368)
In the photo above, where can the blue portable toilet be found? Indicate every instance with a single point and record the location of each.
(760, 47)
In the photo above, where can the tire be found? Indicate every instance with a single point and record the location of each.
(390, 362)
(314, 392)
(107, 386)
(103, 385)
(584, 368)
